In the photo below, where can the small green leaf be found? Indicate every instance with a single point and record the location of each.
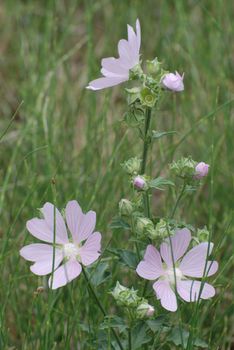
(156, 324)
(159, 134)
(126, 257)
(114, 322)
(101, 274)
(159, 182)
(118, 222)
(140, 336)
(177, 336)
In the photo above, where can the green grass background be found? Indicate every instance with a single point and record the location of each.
(62, 133)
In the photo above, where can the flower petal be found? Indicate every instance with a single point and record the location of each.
(102, 83)
(125, 53)
(138, 34)
(151, 267)
(43, 267)
(190, 290)
(51, 215)
(115, 66)
(65, 274)
(193, 263)
(38, 251)
(74, 217)
(133, 44)
(90, 251)
(166, 295)
(39, 229)
(180, 242)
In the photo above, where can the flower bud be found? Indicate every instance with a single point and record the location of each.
(153, 67)
(148, 97)
(184, 167)
(125, 207)
(203, 234)
(139, 182)
(125, 296)
(173, 82)
(144, 226)
(144, 310)
(132, 166)
(201, 170)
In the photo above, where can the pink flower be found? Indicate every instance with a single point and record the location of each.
(191, 265)
(201, 170)
(116, 70)
(82, 249)
(173, 82)
(139, 182)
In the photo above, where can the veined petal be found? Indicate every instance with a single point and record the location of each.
(138, 34)
(39, 229)
(133, 43)
(51, 215)
(194, 262)
(166, 295)
(125, 54)
(192, 290)
(151, 267)
(103, 83)
(74, 217)
(90, 251)
(43, 267)
(65, 274)
(115, 66)
(177, 245)
(38, 251)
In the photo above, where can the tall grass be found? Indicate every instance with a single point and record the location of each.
(60, 142)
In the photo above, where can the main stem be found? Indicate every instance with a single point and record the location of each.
(146, 141)
(99, 304)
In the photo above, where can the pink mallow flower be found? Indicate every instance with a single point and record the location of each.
(173, 82)
(192, 264)
(116, 70)
(201, 170)
(82, 248)
(139, 182)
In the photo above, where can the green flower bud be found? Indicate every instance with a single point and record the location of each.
(184, 167)
(153, 67)
(144, 310)
(203, 234)
(162, 229)
(125, 296)
(136, 73)
(144, 226)
(132, 166)
(125, 207)
(148, 97)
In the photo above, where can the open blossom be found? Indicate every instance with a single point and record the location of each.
(116, 70)
(201, 170)
(173, 82)
(83, 248)
(176, 269)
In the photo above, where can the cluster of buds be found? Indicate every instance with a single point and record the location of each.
(132, 166)
(129, 299)
(187, 168)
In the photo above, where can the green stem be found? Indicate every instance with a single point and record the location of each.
(129, 339)
(178, 200)
(99, 304)
(146, 141)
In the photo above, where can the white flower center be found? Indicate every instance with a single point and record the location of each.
(71, 250)
(171, 273)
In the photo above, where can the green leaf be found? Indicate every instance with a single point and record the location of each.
(156, 324)
(140, 336)
(159, 182)
(175, 337)
(114, 322)
(118, 222)
(159, 134)
(101, 274)
(126, 257)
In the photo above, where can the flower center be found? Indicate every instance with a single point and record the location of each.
(71, 250)
(171, 273)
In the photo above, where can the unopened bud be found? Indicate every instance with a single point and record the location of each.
(173, 82)
(145, 310)
(203, 234)
(132, 166)
(125, 207)
(139, 182)
(144, 226)
(184, 167)
(201, 170)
